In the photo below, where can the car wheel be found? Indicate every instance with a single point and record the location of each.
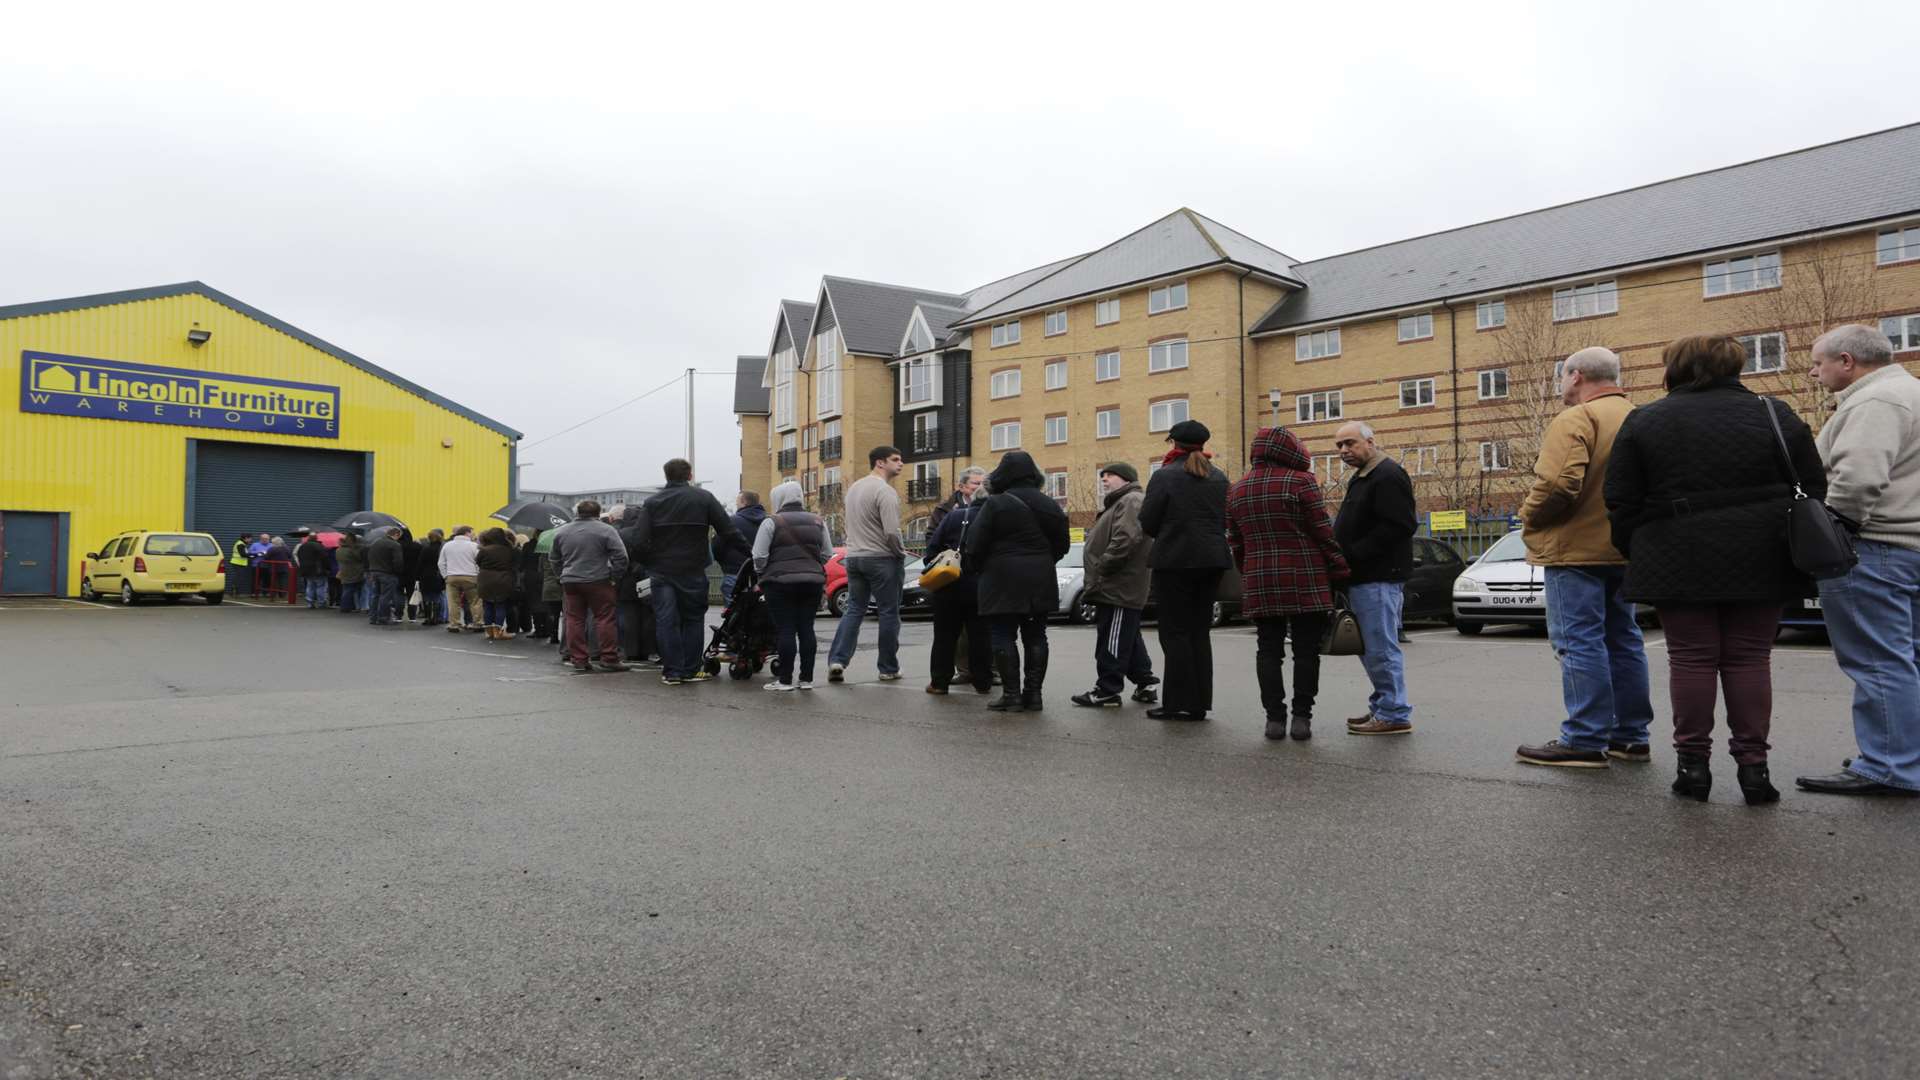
(214, 598)
(837, 603)
(127, 595)
(86, 589)
(1468, 628)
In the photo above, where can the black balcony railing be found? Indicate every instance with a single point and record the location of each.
(789, 459)
(926, 440)
(927, 490)
(830, 449)
(829, 494)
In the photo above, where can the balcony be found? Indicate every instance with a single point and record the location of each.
(787, 459)
(926, 440)
(928, 490)
(830, 495)
(830, 449)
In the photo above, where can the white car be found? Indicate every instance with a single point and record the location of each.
(1070, 573)
(1500, 587)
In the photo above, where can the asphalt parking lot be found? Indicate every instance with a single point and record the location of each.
(251, 841)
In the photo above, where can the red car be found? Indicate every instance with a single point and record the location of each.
(836, 592)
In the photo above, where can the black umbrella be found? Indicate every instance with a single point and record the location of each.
(532, 514)
(362, 520)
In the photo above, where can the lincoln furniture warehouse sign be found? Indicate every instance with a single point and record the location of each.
(113, 390)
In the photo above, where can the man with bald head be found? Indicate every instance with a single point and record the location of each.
(1603, 663)
(1375, 529)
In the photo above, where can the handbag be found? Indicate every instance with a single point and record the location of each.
(1819, 545)
(944, 570)
(1343, 636)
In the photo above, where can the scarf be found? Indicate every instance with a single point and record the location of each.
(1180, 451)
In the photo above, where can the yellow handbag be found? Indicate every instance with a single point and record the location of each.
(943, 571)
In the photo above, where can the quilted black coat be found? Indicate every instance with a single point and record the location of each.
(1697, 495)
(1015, 540)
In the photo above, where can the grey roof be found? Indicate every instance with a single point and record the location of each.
(939, 317)
(1183, 240)
(995, 291)
(1837, 184)
(799, 317)
(872, 316)
(748, 395)
(197, 288)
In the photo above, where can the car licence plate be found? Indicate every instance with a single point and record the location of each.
(1521, 600)
(182, 586)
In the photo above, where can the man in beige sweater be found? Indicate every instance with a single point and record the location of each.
(1871, 446)
(876, 564)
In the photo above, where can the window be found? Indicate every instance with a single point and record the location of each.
(1903, 331)
(1056, 374)
(832, 476)
(1106, 366)
(1420, 460)
(920, 382)
(807, 481)
(1415, 393)
(1585, 301)
(1006, 333)
(178, 544)
(1765, 352)
(1748, 273)
(1416, 327)
(1056, 430)
(1166, 298)
(826, 379)
(1493, 457)
(926, 432)
(1162, 415)
(783, 389)
(1320, 405)
(1488, 314)
(786, 442)
(919, 339)
(1004, 384)
(1106, 424)
(1898, 245)
(1106, 311)
(1167, 355)
(1057, 486)
(1329, 469)
(925, 471)
(1056, 323)
(830, 429)
(1493, 384)
(1006, 435)
(1317, 344)
(808, 435)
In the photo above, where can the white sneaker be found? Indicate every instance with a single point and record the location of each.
(889, 676)
(778, 685)
(806, 686)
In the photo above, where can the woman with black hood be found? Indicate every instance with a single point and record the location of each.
(1013, 544)
(1186, 514)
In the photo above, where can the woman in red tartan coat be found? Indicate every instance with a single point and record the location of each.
(1282, 542)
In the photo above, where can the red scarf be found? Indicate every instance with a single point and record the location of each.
(1179, 452)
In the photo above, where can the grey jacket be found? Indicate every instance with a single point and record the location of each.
(589, 551)
(1117, 551)
(1871, 446)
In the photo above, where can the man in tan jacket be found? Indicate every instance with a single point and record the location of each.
(1603, 664)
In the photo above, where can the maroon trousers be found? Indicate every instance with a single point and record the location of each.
(577, 601)
(1728, 647)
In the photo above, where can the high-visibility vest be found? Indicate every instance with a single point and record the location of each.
(239, 553)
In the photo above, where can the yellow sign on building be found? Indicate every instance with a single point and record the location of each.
(1447, 521)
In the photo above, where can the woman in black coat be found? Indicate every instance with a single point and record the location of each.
(1185, 512)
(956, 608)
(530, 611)
(409, 575)
(433, 587)
(1697, 492)
(1013, 545)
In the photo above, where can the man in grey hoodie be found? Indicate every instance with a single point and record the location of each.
(590, 556)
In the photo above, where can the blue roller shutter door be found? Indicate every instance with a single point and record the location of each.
(240, 487)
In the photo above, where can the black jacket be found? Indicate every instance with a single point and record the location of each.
(311, 557)
(1697, 496)
(430, 580)
(409, 562)
(531, 575)
(1187, 518)
(386, 556)
(733, 547)
(1015, 541)
(671, 536)
(1376, 523)
(953, 530)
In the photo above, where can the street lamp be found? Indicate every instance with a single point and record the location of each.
(1273, 399)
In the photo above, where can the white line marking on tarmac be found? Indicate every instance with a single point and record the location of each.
(476, 652)
(255, 603)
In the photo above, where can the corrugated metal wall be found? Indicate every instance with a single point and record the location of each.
(113, 475)
(242, 487)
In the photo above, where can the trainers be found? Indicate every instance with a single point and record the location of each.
(778, 685)
(836, 673)
(1094, 699)
(670, 680)
(452, 629)
(806, 684)
(1559, 753)
(579, 669)
(1636, 753)
(1377, 726)
(703, 675)
(1148, 694)
(889, 676)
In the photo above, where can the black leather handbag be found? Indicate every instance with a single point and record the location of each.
(1817, 541)
(1343, 636)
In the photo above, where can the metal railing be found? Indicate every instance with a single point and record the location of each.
(927, 490)
(1472, 542)
(830, 494)
(926, 440)
(787, 459)
(830, 449)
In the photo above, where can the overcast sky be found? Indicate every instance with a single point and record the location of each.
(542, 211)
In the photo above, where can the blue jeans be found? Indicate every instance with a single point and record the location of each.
(1376, 607)
(726, 587)
(380, 596)
(494, 612)
(316, 590)
(350, 593)
(1873, 620)
(679, 617)
(877, 578)
(1603, 665)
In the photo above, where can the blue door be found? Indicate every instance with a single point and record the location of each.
(29, 543)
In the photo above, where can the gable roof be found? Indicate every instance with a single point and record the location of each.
(872, 316)
(197, 288)
(1853, 181)
(938, 317)
(1181, 241)
(799, 318)
(749, 396)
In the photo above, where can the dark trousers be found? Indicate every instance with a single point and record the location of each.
(432, 605)
(381, 587)
(1270, 661)
(1010, 632)
(552, 622)
(957, 619)
(595, 598)
(1730, 645)
(680, 614)
(1185, 600)
(1119, 649)
(792, 605)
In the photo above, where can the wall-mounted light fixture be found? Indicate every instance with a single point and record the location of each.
(198, 337)
(1273, 399)
(447, 443)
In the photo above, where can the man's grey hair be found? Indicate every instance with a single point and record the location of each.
(1366, 429)
(1865, 344)
(1595, 362)
(972, 470)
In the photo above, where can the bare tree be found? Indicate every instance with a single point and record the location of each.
(1508, 407)
(1821, 287)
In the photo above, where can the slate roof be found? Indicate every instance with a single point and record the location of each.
(939, 318)
(748, 395)
(1183, 240)
(1852, 181)
(872, 316)
(995, 291)
(799, 316)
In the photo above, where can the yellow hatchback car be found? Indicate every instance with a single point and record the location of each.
(140, 564)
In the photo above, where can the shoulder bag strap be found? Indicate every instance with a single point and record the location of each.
(1786, 456)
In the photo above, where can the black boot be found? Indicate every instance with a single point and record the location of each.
(1036, 674)
(1007, 663)
(1756, 785)
(1694, 780)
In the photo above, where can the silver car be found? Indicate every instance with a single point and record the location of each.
(1500, 587)
(1070, 573)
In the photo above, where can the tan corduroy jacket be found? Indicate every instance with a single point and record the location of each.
(1564, 517)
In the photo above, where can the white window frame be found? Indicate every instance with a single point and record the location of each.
(1004, 435)
(1416, 327)
(1164, 410)
(1106, 423)
(830, 475)
(1329, 468)
(1422, 393)
(1170, 297)
(1167, 355)
(1057, 478)
(1724, 277)
(1108, 361)
(1056, 323)
(783, 389)
(1587, 300)
(1331, 403)
(826, 373)
(1903, 331)
(1106, 312)
(1006, 333)
(924, 471)
(1048, 437)
(1494, 384)
(1003, 384)
(1316, 344)
(1905, 245)
(1056, 375)
(926, 422)
(927, 367)
(1490, 314)
(1754, 345)
(1420, 460)
(1495, 457)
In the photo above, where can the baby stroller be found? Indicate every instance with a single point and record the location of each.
(744, 638)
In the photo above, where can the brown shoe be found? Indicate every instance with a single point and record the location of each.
(936, 688)
(1359, 720)
(1379, 727)
(1559, 754)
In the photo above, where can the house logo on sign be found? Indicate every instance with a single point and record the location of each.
(117, 390)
